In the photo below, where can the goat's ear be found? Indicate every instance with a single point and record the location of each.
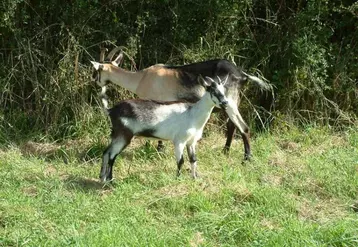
(118, 60)
(96, 65)
(240, 79)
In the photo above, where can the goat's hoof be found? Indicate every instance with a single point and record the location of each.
(160, 148)
(226, 150)
(105, 179)
(246, 160)
(247, 157)
(195, 176)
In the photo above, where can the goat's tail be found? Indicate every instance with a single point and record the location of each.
(104, 99)
(261, 83)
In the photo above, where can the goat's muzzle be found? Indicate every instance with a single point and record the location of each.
(223, 104)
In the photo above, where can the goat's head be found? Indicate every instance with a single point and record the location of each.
(216, 90)
(104, 64)
(96, 75)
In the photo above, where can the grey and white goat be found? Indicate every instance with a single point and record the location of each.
(180, 122)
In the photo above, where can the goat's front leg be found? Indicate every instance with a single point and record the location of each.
(192, 158)
(229, 135)
(109, 156)
(239, 122)
(178, 149)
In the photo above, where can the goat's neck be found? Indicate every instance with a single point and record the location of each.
(124, 78)
(202, 109)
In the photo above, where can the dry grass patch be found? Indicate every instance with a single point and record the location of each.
(286, 161)
(39, 149)
(50, 170)
(30, 191)
(197, 240)
(321, 210)
(173, 190)
(290, 146)
(321, 147)
(269, 224)
(272, 180)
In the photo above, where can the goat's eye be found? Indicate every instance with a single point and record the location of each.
(94, 75)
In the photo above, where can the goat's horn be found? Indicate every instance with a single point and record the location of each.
(209, 78)
(111, 54)
(101, 56)
(118, 59)
(219, 79)
(226, 78)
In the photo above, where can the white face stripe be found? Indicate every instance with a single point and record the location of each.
(219, 97)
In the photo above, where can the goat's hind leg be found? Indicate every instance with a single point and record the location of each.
(178, 149)
(192, 158)
(109, 156)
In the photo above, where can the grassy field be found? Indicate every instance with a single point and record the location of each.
(300, 189)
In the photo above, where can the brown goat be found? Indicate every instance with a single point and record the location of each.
(172, 83)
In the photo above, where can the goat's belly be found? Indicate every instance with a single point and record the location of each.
(166, 134)
(195, 136)
(188, 136)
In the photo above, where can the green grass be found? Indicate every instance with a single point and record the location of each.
(298, 190)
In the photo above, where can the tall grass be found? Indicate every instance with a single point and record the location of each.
(300, 189)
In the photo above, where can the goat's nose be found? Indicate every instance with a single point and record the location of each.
(224, 104)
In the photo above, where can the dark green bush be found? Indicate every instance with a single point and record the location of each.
(307, 49)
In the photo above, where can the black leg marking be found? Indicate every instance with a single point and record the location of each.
(192, 159)
(160, 147)
(246, 140)
(110, 164)
(191, 154)
(105, 166)
(180, 164)
(113, 150)
(229, 135)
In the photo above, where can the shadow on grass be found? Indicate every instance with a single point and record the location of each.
(67, 152)
(77, 151)
(85, 184)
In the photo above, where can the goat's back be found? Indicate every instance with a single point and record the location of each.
(148, 111)
(188, 74)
